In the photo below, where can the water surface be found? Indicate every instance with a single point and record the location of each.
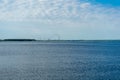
(62, 60)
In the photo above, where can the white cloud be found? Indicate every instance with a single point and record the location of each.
(53, 10)
(72, 16)
(85, 5)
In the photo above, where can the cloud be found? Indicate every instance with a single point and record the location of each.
(53, 10)
(76, 18)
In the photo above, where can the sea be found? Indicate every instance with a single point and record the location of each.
(60, 60)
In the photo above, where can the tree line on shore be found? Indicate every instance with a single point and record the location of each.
(17, 39)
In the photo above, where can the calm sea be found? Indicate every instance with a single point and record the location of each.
(60, 60)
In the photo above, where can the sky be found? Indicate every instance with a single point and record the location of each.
(60, 19)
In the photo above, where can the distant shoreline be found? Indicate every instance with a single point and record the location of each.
(18, 40)
(50, 40)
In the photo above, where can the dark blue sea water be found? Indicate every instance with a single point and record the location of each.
(60, 60)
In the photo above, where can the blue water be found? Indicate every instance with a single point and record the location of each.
(62, 60)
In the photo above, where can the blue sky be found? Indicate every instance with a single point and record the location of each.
(112, 3)
(67, 19)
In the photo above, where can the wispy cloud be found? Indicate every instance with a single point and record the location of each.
(81, 16)
(41, 10)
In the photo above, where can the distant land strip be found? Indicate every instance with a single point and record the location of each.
(18, 40)
(54, 40)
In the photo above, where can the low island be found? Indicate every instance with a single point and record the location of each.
(18, 40)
